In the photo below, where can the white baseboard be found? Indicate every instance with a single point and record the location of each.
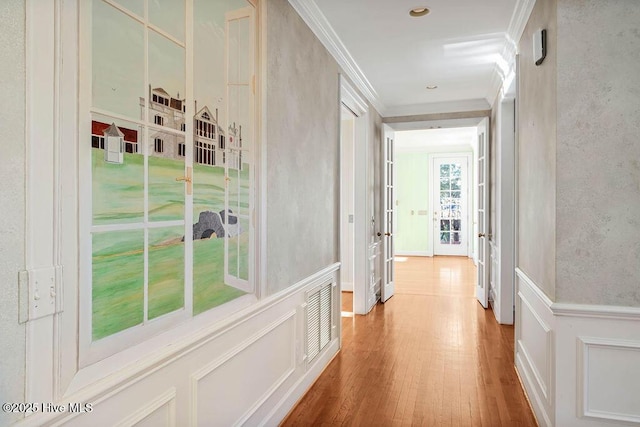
(346, 286)
(412, 253)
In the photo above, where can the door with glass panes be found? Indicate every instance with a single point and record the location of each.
(167, 180)
(450, 214)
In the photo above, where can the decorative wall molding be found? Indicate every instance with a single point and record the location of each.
(503, 72)
(109, 386)
(596, 311)
(587, 390)
(318, 23)
(536, 320)
(244, 346)
(168, 398)
(351, 98)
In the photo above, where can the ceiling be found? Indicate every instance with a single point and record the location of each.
(461, 46)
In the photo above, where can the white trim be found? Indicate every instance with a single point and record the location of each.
(168, 396)
(518, 21)
(209, 368)
(540, 389)
(582, 372)
(543, 383)
(351, 98)
(413, 253)
(534, 288)
(318, 23)
(41, 217)
(595, 311)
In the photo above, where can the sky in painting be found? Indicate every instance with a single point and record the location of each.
(118, 53)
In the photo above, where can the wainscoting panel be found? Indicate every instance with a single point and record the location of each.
(534, 345)
(160, 412)
(249, 371)
(609, 366)
(221, 396)
(598, 365)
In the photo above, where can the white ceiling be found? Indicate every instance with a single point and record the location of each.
(459, 46)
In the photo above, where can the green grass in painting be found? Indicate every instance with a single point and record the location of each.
(166, 277)
(166, 195)
(209, 289)
(118, 257)
(118, 190)
(118, 280)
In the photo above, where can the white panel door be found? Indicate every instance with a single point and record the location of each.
(388, 282)
(482, 286)
(450, 215)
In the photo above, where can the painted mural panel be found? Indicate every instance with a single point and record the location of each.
(118, 61)
(166, 195)
(117, 188)
(140, 166)
(118, 281)
(166, 272)
(168, 15)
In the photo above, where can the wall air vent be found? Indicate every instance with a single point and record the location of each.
(319, 319)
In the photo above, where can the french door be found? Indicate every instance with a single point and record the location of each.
(450, 201)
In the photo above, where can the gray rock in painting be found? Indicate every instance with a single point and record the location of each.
(232, 225)
(213, 222)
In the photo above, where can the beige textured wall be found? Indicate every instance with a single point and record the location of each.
(537, 152)
(302, 150)
(12, 171)
(598, 152)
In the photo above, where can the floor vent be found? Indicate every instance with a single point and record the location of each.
(319, 322)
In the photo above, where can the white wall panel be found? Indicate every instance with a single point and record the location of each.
(221, 396)
(535, 348)
(609, 367)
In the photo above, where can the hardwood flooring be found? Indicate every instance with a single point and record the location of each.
(430, 356)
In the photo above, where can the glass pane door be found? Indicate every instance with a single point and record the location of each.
(450, 204)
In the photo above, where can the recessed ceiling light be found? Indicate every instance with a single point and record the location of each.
(432, 87)
(419, 11)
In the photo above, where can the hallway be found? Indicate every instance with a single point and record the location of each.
(430, 356)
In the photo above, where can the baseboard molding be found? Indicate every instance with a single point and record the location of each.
(413, 253)
(346, 286)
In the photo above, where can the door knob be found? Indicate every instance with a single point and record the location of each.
(379, 234)
(481, 234)
(387, 234)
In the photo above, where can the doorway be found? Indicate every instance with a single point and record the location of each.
(347, 235)
(450, 189)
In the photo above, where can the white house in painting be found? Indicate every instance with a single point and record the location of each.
(209, 139)
(164, 110)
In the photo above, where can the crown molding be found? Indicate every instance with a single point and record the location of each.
(318, 23)
(518, 21)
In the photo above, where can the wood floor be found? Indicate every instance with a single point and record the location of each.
(430, 356)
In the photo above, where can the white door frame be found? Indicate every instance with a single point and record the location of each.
(357, 104)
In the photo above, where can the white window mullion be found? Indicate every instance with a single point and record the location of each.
(145, 153)
(188, 157)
